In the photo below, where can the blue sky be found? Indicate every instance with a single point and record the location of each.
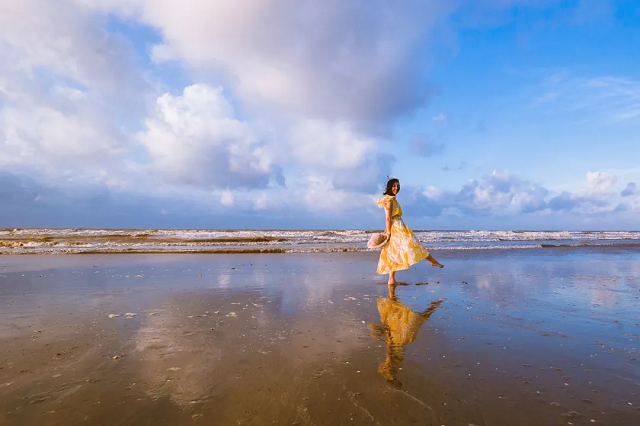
(494, 114)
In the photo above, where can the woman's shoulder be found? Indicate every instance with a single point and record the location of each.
(382, 202)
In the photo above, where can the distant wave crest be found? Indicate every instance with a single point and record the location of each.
(79, 241)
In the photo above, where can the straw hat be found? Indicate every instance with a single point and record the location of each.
(377, 240)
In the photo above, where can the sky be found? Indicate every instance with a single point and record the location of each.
(292, 114)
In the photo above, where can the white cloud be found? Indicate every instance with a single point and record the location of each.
(47, 138)
(439, 118)
(331, 145)
(320, 194)
(600, 181)
(499, 193)
(506, 195)
(432, 192)
(194, 139)
(266, 201)
(227, 198)
(65, 83)
(63, 40)
(497, 190)
(334, 60)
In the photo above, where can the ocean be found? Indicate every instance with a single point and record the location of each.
(79, 241)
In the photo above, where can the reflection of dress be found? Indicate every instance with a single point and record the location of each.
(400, 326)
(403, 249)
(401, 322)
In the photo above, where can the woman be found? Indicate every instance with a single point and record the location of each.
(403, 248)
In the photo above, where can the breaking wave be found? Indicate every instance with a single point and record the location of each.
(208, 241)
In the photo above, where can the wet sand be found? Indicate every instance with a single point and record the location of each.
(529, 337)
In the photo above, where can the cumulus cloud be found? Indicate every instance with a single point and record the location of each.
(369, 177)
(600, 181)
(49, 138)
(330, 59)
(328, 144)
(338, 153)
(500, 193)
(502, 190)
(264, 202)
(432, 192)
(506, 200)
(227, 198)
(567, 201)
(328, 74)
(195, 139)
(533, 198)
(504, 193)
(62, 41)
(66, 86)
(629, 190)
(320, 194)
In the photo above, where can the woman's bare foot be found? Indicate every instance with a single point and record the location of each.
(437, 264)
(434, 262)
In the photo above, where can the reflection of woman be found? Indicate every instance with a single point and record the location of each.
(403, 248)
(399, 327)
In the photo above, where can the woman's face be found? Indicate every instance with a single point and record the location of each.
(395, 188)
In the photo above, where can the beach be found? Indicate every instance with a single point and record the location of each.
(537, 336)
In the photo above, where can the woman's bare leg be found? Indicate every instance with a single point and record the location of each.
(392, 278)
(434, 262)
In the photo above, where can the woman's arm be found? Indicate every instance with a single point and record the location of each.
(387, 212)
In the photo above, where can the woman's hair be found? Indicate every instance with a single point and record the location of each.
(390, 185)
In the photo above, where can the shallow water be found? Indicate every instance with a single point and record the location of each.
(537, 337)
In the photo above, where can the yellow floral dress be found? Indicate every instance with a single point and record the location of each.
(403, 248)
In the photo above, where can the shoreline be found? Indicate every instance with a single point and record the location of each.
(71, 241)
(279, 250)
